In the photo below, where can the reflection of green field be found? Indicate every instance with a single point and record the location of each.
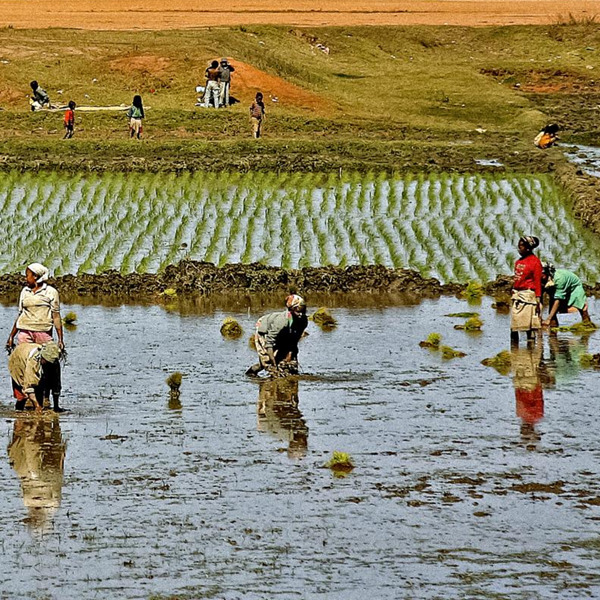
(453, 227)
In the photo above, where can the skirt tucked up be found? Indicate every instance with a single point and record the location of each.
(524, 315)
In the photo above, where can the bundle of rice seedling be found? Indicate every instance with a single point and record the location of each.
(502, 362)
(324, 319)
(433, 341)
(231, 328)
(340, 463)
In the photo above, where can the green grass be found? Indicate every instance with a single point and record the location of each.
(435, 91)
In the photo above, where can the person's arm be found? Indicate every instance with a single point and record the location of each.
(11, 338)
(31, 378)
(59, 329)
(552, 313)
(13, 332)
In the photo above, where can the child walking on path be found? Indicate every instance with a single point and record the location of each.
(136, 115)
(70, 121)
(257, 114)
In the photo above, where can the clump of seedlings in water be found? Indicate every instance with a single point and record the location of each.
(448, 352)
(174, 381)
(169, 294)
(463, 315)
(70, 319)
(473, 292)
(433, 341)
(340, 463)
(324, 319)
(471, 324)
(579, 328)
(590, 361)
(231, 329)
(502, 362)
(252, 342)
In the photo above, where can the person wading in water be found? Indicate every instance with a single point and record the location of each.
(526, 309)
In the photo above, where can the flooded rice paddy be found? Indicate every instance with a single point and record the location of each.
(452, 227)
(467, 483)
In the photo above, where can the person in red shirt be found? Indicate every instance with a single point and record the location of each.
(526, 307)
(70, 121)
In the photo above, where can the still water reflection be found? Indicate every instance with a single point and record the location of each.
(279, 414)
(37, 454)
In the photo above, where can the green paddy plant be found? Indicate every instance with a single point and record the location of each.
(340, 463)
(590, 361)
(231, 329)
(433, 341)
(473, 324)
(473, 291)
(502, 362)
(324, 319)
(449, 353)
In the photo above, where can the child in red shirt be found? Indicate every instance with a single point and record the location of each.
(70, 121)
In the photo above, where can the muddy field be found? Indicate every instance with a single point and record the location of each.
(154, 14)
(467, 483)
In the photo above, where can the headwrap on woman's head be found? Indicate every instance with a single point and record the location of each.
(530, 241)
(549, 269)
(40, 272)
(294, 301)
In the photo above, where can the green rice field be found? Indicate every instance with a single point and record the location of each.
(454, 227)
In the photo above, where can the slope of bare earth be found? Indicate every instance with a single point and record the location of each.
(176, 14)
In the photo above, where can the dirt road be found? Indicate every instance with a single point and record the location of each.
(156, 14)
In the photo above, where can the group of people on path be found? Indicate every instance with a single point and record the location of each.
(218, 84)
(533, 278)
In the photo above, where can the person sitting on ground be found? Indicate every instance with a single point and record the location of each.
(257, 115)
(40, 98)
(70, 121)
(277, 336)
(226, 70)
(526, 308)
(31, 370)
(547, 136)
(213, 84)
(136, 116)
(566, 294)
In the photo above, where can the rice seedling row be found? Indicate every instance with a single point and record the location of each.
(450, 226)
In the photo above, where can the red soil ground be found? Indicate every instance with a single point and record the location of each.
(176, 14)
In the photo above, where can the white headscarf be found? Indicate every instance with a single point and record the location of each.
(40, 271)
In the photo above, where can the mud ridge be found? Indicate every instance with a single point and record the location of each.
(191, 279)
(584, 193)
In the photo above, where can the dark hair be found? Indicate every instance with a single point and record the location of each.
(551, 129)
(214, 64)
(137, 102)
(259, 97)
(529, 241)
(34, 85)
(72, 104)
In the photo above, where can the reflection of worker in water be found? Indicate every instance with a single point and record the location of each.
(277, 336)
(279, 415)
(529, 395)
(566, 294)
(37, 454)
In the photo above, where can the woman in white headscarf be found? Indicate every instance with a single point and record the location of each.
(39, 311)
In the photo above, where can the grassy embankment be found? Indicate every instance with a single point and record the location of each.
(394, 98)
